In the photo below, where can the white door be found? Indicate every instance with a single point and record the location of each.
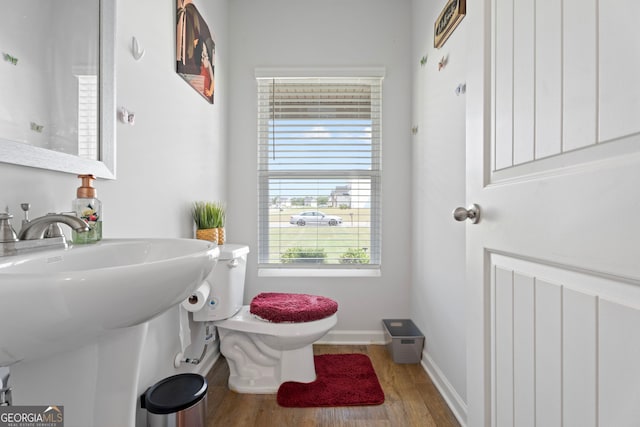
(553, 161)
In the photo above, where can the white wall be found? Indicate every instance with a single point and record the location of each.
(437, 292)
(328, 33)
(175, 153)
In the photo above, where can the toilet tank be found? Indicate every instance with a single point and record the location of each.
(227, 284)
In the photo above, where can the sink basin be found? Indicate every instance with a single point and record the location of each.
(56, 299)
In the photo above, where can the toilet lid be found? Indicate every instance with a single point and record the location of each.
(283, 307)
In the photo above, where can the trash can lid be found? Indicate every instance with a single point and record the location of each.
(402, 328)
(175, 393)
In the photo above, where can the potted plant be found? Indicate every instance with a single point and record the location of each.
(209, 218)
(220, 216)
(204, 216)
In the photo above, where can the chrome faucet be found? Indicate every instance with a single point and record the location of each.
(35, 228)
(5, 390)
(40, 233)
(7, 234)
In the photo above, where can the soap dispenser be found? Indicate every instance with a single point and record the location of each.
(88, 208)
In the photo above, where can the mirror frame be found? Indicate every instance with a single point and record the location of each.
(28, 155)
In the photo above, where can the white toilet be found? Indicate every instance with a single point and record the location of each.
(261, 354)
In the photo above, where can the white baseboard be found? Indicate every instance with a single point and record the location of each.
(453, 399)
(352, 337)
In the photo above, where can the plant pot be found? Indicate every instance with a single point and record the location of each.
(221, 236)
(210, 234)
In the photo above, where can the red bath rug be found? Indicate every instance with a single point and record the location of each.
(341, 380)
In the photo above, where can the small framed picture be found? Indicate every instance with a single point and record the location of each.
(448, 20)
(195, 49)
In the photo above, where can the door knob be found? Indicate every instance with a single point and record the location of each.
(472, 213)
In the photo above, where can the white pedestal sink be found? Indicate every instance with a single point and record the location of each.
(73, 320)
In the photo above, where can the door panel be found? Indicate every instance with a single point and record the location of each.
(563, 77)
(503, 349)
(524, 350)
(548, 85)
(579, 61)
(503, 69)
(523, 82)
(548, 353)
(619, 370)
(553, 161)
(619, 67)
(580, 334)
(565, 346)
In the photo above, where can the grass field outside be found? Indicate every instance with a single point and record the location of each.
(353, 233)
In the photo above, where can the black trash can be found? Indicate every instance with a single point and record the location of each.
(177, 401)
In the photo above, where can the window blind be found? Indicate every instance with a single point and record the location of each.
(319, 166)
(88, 116)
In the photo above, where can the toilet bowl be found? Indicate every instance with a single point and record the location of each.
(261, 354)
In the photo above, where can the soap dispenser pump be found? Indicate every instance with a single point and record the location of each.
(88, 208)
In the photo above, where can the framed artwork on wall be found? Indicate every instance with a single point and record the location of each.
(448, 20)
(195, 49)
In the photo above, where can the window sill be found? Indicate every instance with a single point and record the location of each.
(319, 272)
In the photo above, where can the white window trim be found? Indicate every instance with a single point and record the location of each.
(271, 72)
(320, 272)
(268, 72)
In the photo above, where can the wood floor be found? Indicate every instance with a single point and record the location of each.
(411, 399)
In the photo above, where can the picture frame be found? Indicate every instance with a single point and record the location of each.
(452, 13)
(195, 49)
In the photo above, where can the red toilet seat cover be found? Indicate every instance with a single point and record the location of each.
(280, 307)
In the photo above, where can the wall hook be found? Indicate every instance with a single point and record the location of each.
(136, 50)
(11, 59)
(414, 130)
(423, 61)
(36, 127)
(443, 62)
(461, 89)
(126, 116)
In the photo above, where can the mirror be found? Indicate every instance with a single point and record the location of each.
(57, 65)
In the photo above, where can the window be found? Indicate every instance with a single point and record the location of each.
(319, 166)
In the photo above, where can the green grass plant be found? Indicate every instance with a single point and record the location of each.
(208, 214)
(354, 256)
(304, 255)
